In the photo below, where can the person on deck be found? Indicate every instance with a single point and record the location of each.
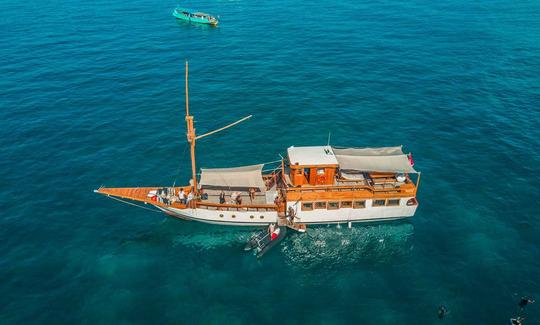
(239, 199)
(203, 195)
(234, 195)
(189, 197)
(252, 194)
(182, 196)
(222, 197)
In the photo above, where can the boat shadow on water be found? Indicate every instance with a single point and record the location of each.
(187, 24)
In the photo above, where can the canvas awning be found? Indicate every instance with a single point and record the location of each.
(245, 176)
(386, 159)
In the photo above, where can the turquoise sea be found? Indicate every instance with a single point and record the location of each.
(91, 93)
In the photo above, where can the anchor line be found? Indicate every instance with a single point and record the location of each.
(135, 205)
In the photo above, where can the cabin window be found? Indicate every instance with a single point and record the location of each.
(392, 202)
(333, 205)
(320, 171)
(359, 204)
(379, 203)
(320, 205)
(308, 206)
(346, 204)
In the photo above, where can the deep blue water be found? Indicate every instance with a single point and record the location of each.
(92, 94)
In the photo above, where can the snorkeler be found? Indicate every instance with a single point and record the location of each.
(524, 302)
(516, 321)
(442, 311)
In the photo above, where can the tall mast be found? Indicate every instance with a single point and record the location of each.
(191, 135)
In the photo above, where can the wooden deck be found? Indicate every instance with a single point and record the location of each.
(140, 194)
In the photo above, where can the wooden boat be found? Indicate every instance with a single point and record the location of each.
(194, 16)
(312, 185)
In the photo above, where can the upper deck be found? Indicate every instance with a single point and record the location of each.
(326, 172)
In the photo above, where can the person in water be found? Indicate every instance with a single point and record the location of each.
(442, 311)
(524, 302)
(516, 321)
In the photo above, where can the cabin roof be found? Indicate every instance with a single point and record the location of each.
(385, 159)
(310, 156)
(245, 176)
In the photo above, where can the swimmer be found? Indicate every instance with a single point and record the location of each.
(524, 302)
(516, 321)
(442, 312)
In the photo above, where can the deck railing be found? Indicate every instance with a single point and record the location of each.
(356, 187)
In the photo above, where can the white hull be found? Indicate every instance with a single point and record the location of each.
(317, 216)
(345, 215)
(219, 217)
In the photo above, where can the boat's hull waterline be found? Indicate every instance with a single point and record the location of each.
(316, 217)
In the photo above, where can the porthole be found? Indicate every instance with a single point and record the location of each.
(221, 215)
(233, 216)
(262, 217)
(251, 217)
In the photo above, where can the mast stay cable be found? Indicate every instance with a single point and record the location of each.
(135, 205)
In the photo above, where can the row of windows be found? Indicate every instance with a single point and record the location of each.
(234, 216)
(334, 205)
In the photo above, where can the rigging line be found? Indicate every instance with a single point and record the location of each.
(329, 134)
(264, 170)
(272, 162)
(129, 203)
(271, 169)
(180, 167)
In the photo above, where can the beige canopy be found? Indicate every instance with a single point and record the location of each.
(386, 159)
(245, 176)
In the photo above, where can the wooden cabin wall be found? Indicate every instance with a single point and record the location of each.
(299, 177)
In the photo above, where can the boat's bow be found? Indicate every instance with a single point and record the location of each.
(158, 196)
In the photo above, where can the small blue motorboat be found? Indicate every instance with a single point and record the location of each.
(194, 16)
